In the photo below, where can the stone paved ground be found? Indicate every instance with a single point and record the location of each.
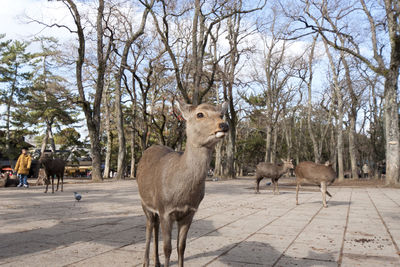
(233, 227)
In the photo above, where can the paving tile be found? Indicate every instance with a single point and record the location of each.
(233, 227)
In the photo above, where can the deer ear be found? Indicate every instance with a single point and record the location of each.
(184, 108)
(224, 108)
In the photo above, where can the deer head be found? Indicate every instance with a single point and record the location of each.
(204, 123)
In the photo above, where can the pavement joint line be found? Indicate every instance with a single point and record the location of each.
(395, 202)
(301, 231)
(384, 224)
(262, 227)
(345, 231)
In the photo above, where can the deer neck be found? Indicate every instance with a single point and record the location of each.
(197, 160)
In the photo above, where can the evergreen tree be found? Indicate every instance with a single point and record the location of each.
(15, 79)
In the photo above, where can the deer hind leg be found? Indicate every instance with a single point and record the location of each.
(166, 228)
(323, 190)
(156, 228)
(47, 184)
(277, 186)
(149, 228)
(58, 181)
(52, 183)
(183, 228)
(62, 182)
(258, 184)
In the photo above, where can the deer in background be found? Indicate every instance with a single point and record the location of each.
(272, 171)
(172, 184)
(320, 174)
(53, 167)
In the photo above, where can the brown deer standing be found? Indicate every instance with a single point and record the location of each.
(171, 184)
(321, 174)
(53, 167)
(272, 171)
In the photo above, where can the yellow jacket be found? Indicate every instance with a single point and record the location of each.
(23, 164)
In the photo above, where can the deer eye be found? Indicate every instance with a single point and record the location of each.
(200, 115)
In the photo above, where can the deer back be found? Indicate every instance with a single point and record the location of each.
(315, 172)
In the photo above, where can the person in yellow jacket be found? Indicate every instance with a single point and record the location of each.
(22, 167)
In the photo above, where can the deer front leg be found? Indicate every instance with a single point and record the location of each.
(258, 180)
(273, 184)
(166, 228)
(323, 190)
(297, 193)
(183, 228)
(277, 186)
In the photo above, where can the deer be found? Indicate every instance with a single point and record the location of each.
(53, 167)
(172, 184)
(320, 174)
(272, 171)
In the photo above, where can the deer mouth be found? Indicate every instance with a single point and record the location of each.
(220, 134)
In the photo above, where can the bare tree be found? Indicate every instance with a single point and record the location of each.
(384, 27)
(131, 35)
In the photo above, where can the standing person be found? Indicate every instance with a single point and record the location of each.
(22, 167)
(365, 170)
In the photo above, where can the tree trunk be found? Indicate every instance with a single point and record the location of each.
(51, 139)
(218, 159)
(309, 102)
(230, 154)
(352, 146)
(133, 151)
(274, 145)
(44, 142)
(121, 134)
(392, 126)
(268, 144)
(95, 149)
(333, 150)
(196, 66)
(106, 173)
(340, 146)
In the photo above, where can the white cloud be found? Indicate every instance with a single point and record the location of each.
(14, 15)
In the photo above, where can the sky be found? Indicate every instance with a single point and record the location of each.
(15, 22)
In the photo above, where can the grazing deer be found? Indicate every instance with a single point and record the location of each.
(171, 184)
(272, 171)
(53, 167)
(321, 174)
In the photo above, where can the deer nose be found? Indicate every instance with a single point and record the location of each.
(224, 126)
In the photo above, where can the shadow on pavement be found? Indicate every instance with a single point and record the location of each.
(259, 253)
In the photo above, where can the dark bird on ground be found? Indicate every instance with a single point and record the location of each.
(77, 196)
